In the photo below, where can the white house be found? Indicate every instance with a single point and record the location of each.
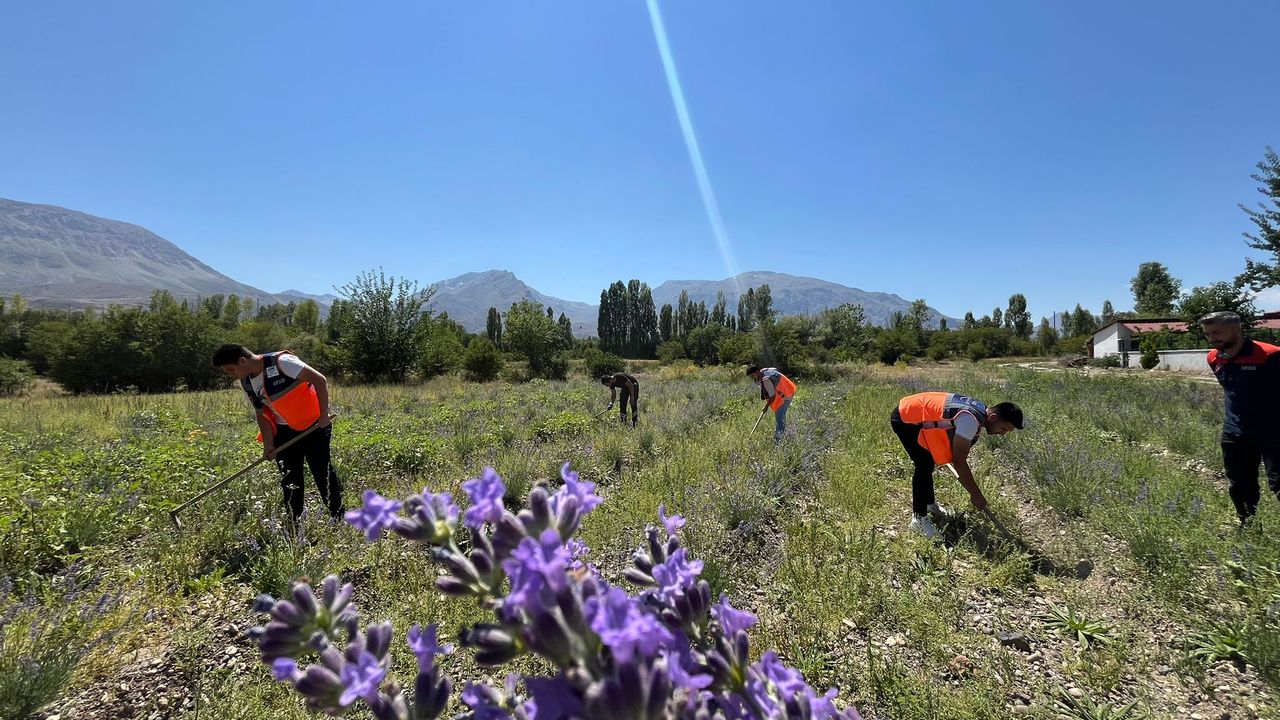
(1120, 337)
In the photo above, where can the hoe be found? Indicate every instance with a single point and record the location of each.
(173, 514)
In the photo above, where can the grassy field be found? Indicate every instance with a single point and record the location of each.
(109, 612)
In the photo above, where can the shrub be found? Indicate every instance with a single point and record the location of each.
(15, 376)
(670, 351)
(442, 353)
(598, 362)
(1150, 358)
(482, 362)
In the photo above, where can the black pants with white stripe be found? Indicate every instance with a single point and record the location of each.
(313, 450)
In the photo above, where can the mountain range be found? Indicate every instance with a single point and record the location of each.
(57, 257)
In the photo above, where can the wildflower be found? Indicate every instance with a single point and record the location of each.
(676, 574)
(485, 702)
(673, 523)
(424, 646)
(285, 668)
(576, 549)
(360, 679)
(730, 618)
(681, 677)
(623, 628)
(535, 565)
(377, 514)
(486, 494)
(583, 491)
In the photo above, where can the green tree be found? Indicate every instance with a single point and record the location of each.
(969, 321)
(482, 362)
(1108, 312)
(48, 340)
(566, 331)
(386, 316)
(1046, 337)
(528, 331)
(1260, 274)
(1150, 358)
(441, 353)
(665, 324)
(1016, 317)
(845, 331)
(670, 351)
(212, 306)
(997, 318)
(230, 315)
(493, 327)
(747, 311)
(306, 317)
(1155, 291)
(1205, 299)
(1082, 321)
(702, 343)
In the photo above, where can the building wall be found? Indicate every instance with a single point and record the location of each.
(1192, 361)
(1108, 342)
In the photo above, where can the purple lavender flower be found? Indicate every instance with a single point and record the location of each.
(623, 627)
(582, 490)
(730, 618)
(285, 669)
(788, 680)
(673, 523)
(361, 678)
(682, 678)
(486, 494)
(534, 565)
(576, 549)
(553, 699)
(377, 514)
(676, 574)
(437, 513)
(485, 702)
(425, 647)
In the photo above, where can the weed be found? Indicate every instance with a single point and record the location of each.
(1087, 632)
(1086, 708)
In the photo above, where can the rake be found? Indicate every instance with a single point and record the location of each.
(762, 412)
(173, 514)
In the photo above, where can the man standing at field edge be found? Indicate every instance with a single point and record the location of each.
(289, 397)
(1249, 373)
(776, 390)
(939, 428)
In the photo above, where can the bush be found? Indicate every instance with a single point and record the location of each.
(442, 353)
(670, 351)
(1106, 361)
(1150, 358)
(482, 362)
(598, 362)
(15, 376)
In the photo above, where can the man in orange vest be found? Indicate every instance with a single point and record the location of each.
(289, 396)
(776, 390)
(939, 428)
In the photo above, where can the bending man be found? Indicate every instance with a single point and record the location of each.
(938, 428)
(776, 390)
(630, 388)
(289, 397)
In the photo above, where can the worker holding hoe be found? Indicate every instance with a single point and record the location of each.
(776, 390)
(630, 388)
(939, 428)
(1249, 373)
(289, 397)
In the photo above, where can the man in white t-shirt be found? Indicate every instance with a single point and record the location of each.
(289, 397)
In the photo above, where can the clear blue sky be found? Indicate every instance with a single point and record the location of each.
(954, 151)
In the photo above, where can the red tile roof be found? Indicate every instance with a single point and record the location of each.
(1154, 326)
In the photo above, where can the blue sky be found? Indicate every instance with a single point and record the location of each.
(958, 152)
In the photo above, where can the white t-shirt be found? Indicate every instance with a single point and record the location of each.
(289, 364)
(966, 426)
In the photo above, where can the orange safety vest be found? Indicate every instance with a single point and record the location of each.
(289, 399)
(783, 389)
(929, 409)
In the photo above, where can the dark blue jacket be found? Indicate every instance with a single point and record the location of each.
(1251, 389)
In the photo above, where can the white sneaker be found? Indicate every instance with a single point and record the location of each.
(923, 525)
(938, 511)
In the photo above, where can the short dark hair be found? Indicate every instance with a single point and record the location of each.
(753, 369)
(230, 354)
(605, 378)
(1222, 317)
(1009, 412)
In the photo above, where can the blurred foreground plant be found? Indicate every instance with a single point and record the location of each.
(665, 652)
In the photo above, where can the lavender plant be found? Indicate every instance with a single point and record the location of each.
(666, 651)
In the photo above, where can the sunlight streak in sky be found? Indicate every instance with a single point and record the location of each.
(691, 143)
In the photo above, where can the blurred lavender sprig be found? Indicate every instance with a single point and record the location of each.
(666, 652)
